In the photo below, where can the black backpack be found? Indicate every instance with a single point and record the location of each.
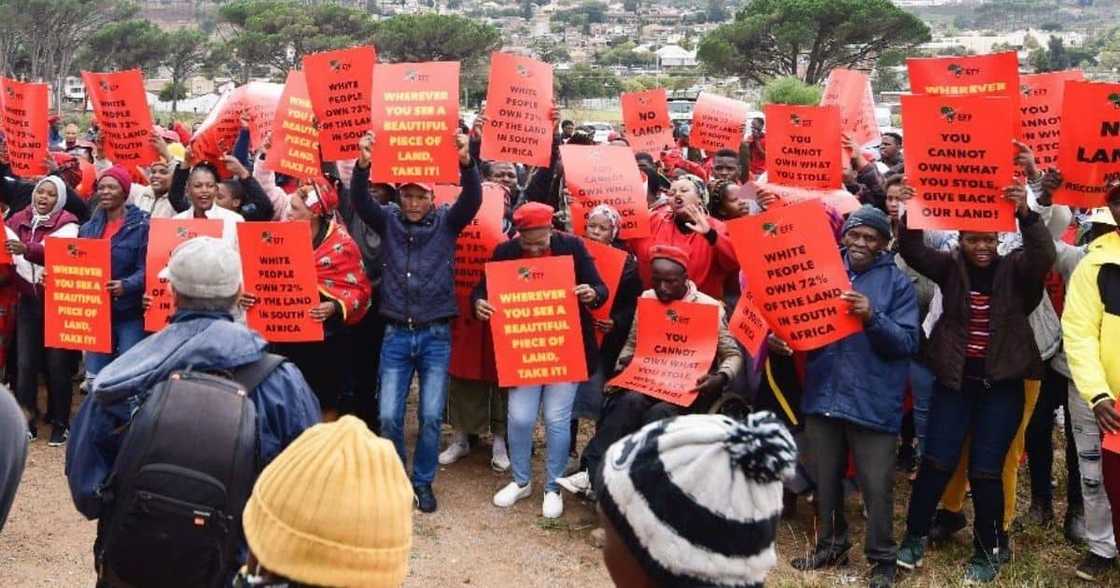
(182, 476)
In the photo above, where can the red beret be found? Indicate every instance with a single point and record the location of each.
(673, 254)
(532, 215)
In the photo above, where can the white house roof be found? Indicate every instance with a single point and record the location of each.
(675, 52)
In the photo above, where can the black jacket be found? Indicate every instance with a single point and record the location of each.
(562, 244)
(1017, 289)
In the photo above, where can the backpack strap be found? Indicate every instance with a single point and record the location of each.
(251, 375)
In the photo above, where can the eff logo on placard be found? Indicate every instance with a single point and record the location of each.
(958, 71)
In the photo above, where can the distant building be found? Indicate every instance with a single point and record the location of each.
(671, 56)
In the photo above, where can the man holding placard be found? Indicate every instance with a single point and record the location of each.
(417, 294)
(853, 397)
(626, 411)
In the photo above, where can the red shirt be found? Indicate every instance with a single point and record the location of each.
(113, 227)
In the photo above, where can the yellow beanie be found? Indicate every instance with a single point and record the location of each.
(334, 509)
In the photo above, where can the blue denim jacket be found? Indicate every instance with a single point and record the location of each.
(129, 252)
(196, 340)
(862, 377)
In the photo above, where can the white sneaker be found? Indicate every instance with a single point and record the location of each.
(508, 496)
(578, 483)
(499, 458)
(456, 450)
(553, 505)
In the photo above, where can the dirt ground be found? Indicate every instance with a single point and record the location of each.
(469, 542)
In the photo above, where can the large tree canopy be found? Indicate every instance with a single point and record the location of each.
(279, 33)
(807, 38)
(435, 37)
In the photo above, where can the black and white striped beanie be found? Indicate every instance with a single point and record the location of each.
(698, 498)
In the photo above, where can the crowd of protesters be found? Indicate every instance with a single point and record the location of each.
(971, 343)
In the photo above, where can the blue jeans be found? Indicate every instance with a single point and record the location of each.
(524, 403)
(991, 414)
(921, 386)
(427, 352)
(126, 333)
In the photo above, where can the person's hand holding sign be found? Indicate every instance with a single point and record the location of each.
(585, 293)
(234, 166)
(1024, 158)
(324, 311)
(711, 384)
(767, 198)
(1051, 181)
(1108, 419)
(1017, 194)
(483, 310)
(463, 142)
(858, 305)
(365, 150)
(246, 301)
(15, 247)
(778, 346)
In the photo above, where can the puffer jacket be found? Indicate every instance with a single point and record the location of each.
(1017, 287)
(1091, 321)
(862, 377)
(129, 256)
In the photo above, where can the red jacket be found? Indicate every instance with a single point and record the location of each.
(20, 222)
(709, 265)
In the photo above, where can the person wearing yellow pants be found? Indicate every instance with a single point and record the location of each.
(949, 518)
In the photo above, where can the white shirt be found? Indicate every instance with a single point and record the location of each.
(229, 220)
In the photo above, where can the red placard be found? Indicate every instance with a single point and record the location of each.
(675, 347)
(164, 235)
(121, 108)
(415, 119)
(518, 106)
(217, 134)
(25, 126)
(260, 101)
(795, 274)
(748, 325)
(78, 308)
(446, 193)
(609, 261)
(536, 325)
(598, 174)
(472, 355)
(850, 91)
(994, 74)
(340, 86)
(959, 159)
(646, 118)
(475, 244)
(1111, 442)
(278, 265)
(803, 146)
(1040, 121)
(295, 140)
(1089, 152)
(843, 201)
(718, 123)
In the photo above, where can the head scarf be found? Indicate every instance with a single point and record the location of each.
(60, 187)
(701, 187)
(612, 217)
